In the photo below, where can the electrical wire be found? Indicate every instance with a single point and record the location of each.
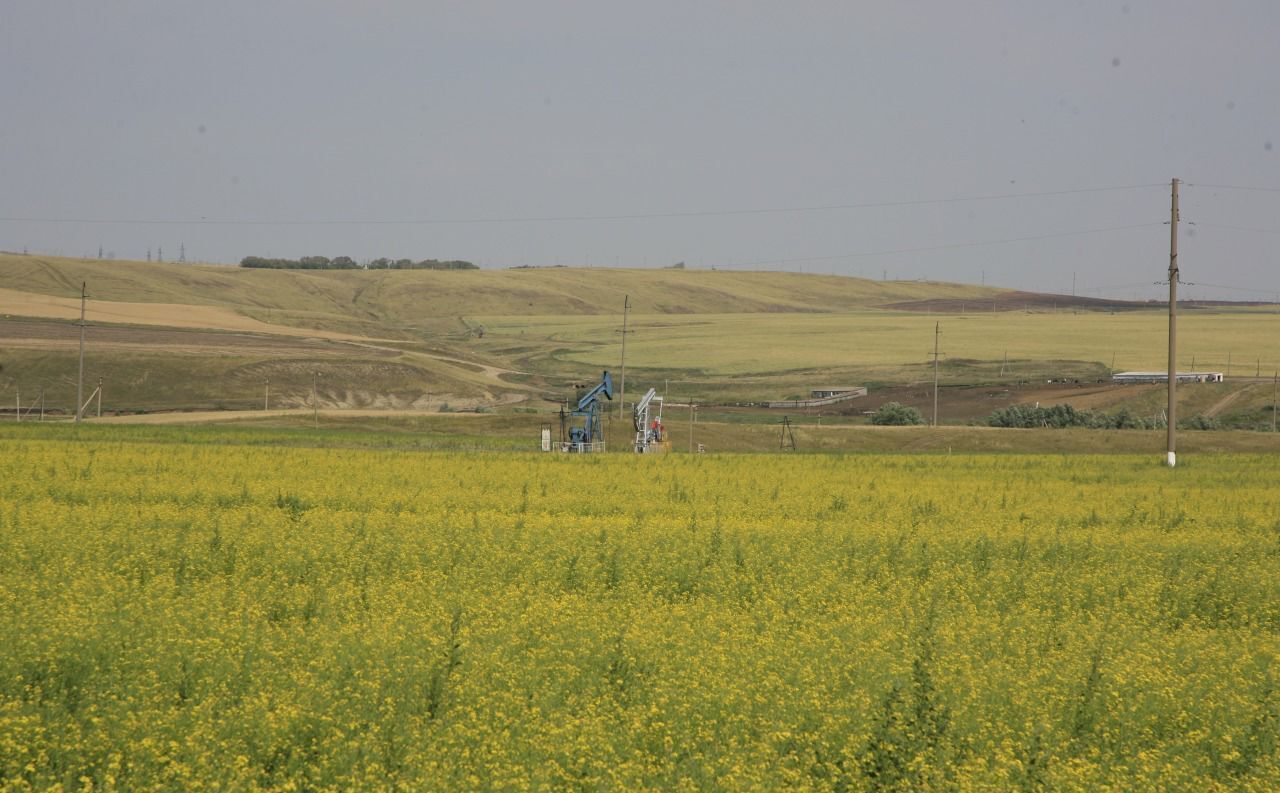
(1234, 187)
(937, 247)
(1237, 288)
(573, 218)
(1235, 228)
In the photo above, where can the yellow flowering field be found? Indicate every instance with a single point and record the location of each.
(232, 616)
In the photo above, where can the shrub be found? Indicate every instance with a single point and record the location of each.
(896, 414)
(1200, 422)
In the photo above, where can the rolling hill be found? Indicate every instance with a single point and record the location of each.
(172, 336)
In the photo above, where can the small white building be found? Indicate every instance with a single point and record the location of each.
(835, 391)
(1163, 377)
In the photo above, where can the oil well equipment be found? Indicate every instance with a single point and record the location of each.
(646, 416)
(589, 436)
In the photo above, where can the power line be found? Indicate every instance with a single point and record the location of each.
(1235, 228)
(939, 247)
(571, 218)
(1235, 288)
(1234, 187)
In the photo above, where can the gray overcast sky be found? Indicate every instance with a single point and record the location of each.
(385, 111)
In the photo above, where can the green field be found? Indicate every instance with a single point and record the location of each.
(246, 613)
(740, 344)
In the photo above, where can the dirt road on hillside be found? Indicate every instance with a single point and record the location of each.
(213, 416)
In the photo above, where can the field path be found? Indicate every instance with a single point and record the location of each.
(169, 315)
(187, 316)
(1226, 401)
(213, 416)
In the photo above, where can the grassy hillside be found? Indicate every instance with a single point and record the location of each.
(411, 340)
(745, 343)
(426, 295)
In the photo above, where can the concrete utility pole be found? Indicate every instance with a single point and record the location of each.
(622, 384)
(1171, 456)
(937, 331)
(693, 417)
(84, 293)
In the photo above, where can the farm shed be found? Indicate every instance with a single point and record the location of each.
(1163, 377)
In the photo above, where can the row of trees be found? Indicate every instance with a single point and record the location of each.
(1062, 416)
(1052, 417)
(347, 263)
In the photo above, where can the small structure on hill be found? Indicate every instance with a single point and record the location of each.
(820, 397)
(1163, 377)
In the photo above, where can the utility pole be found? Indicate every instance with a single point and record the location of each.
(1171, 457)
(937, 331)
(1275, 383)
(99, 397)
(315, 406)
(80, 376)
(266, 395)
(622, 389)
(693, 412)
(788, 439)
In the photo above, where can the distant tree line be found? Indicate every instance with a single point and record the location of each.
(347, 263)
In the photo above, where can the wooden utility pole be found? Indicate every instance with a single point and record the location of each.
(80, 375)
(315, 406)
(99, 397)
(1275, 383)
(1171, 457)
(622, 384)
(937, 331)
(266, 395)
